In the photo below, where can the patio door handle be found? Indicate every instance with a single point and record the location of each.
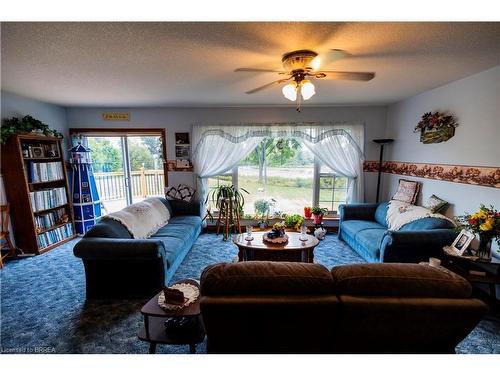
(127, 182)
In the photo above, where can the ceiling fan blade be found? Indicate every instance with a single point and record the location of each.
(260, 70)
(268, 85)
(350, 76)
(331, 56)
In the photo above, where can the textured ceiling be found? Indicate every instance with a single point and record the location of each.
(192, 64)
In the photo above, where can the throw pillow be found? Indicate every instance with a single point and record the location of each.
(185, 193)
(171, 192)
(407, 191)
(436, 204)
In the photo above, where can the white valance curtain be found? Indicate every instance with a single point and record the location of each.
(217, 148)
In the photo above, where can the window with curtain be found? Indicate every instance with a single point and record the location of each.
(337, 147)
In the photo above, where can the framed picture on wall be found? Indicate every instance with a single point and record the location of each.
(181, 138)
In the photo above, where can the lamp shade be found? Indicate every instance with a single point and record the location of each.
(307, 89)
(290, 91)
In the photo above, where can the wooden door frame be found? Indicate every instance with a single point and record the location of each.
(129, 131)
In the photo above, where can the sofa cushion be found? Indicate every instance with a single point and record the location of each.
(370, 240)
(381, 213)
(182, 227)
(399, 279)
(427, 223)
(260, 277)
(354, 227)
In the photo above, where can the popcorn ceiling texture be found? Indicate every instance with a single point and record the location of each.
(190, 64)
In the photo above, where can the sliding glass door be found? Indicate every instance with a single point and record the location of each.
(128, 167)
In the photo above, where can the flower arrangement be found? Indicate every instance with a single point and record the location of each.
(486, 223)
(435, 127)
(279, 225)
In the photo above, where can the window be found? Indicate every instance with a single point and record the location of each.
(332, 189)
(286, 174)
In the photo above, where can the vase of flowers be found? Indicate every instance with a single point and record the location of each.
(485, 223)
(435, 127)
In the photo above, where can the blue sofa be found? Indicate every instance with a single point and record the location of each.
(119, 266)
(363, 227)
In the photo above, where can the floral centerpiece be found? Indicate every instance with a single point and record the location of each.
(435, 127)
(485, 223)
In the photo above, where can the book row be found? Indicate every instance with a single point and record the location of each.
(50, 219)
(55, 235)
(43, 172)
(47, 198)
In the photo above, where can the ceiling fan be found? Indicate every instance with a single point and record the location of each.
(300, 67)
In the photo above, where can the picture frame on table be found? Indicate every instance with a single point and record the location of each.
(462, 242)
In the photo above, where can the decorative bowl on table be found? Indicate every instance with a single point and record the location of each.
(277, 234)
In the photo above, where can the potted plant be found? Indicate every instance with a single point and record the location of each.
(27, 124)
(317, 214)
(485, 223)
(294, 221)
(262, 212)
(229, 201)
(307, 212)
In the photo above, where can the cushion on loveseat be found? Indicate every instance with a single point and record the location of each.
(381, 213)
(399, 279)
(427, 224)
(268, 278)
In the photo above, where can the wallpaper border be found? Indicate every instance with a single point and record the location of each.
(465, 174)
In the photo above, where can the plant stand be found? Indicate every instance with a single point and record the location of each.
(227, 218)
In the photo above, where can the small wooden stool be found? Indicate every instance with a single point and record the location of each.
(4, 233)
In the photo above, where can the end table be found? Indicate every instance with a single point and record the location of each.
(154, 330)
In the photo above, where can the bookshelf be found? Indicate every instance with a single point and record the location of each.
(37, 189)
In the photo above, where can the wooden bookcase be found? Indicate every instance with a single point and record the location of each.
(21, 154)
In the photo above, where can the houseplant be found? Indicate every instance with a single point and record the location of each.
(229, 201)
(27, 124)
(262, 207)
(485, 223)
(294, 221)
(435, 127)
(317, 214)
(307, 212)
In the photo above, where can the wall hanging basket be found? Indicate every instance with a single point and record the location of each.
(438, 135)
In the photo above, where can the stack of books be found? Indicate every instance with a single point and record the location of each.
(55, 235)
(49, 219)
(44, 172)
(48, 198)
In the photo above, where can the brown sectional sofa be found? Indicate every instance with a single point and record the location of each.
(280, 307)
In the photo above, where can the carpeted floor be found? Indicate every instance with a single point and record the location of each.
(43, 308)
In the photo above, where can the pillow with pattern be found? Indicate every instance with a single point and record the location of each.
(185, 193)
(171, 192)
(436, 204)
(407, 191)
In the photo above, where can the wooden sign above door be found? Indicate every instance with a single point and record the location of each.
(116, 116)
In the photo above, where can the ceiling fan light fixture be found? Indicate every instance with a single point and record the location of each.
(307, 90)
(315, 63)
(290, 91)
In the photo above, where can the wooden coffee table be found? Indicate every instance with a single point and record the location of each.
(154, 330)
(294, 250)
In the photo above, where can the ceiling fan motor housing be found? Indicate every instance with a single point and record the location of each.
(298, 60)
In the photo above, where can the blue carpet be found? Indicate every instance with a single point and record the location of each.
(43, 308)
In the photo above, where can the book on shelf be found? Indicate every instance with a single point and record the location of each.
(44, 172)
(48, 198)
(55, 235)
(50, 219)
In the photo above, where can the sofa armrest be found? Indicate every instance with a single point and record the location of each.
(359, 211)
(114, 248)
(181, 208)
(414, 246)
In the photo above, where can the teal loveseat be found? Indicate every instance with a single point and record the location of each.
(364, 228)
